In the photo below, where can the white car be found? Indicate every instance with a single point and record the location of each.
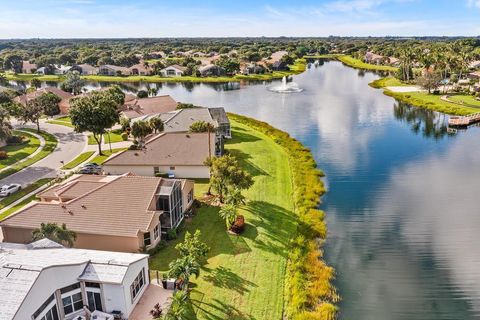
(9, 189)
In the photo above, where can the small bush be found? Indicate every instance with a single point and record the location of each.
(3, 155)
(172, 234)
(124, 136)
(162, 244)
(239, 225)
(142, 94)
(16, 140)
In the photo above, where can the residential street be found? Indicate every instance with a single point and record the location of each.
(70, 144)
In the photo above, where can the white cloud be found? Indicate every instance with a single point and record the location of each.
(352, 5)
(474, 3)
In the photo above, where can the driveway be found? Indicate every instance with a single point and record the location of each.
(70, 145)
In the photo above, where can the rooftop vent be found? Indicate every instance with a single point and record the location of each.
(70, 212)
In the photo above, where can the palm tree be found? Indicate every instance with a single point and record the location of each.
(183, 268)
(156, 124)
(178, 308)
(55, 233)
(235, 197)
(228, 213)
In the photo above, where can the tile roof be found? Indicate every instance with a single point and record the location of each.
(23, 99)
(21, 265)
(183, 119)
(147, 106)
(110, 205)
(175, 149)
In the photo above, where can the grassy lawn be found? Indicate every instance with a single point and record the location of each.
(78, 160)
(99, 159)
(14, 197)
(244, 275)
(50, 145)
(114, 136)
(431, 101)
(355, 63)
(63, 121)
(387, 82)
(466, 100)
(18, 152)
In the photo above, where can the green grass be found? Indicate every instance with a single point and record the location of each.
(430, 101)
(358, 64)
(99, 159)
(298, 67)
(387, 82)
(50, 145)
(324, 56)
(63, 121)
(244, 275)
(78, 160)
(466, 100)
(18, 152)
(18, 195)
(114, 136)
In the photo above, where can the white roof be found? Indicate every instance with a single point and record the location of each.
(20, 266)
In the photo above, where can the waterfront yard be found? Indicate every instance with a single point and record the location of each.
(356, 63)
(244, 275)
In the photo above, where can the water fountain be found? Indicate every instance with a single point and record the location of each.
(286, 87)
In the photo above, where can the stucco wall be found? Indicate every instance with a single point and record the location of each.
(179, 171)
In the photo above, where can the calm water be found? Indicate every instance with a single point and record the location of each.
(404, 196)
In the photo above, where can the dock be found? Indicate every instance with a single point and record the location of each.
(464, 121)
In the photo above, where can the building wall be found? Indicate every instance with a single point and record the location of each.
(47, 282)
(127, 281)
(179, 171)
(84, 241)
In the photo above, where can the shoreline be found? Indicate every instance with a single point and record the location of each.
(298, 67)
(305, 266)
(354, 63)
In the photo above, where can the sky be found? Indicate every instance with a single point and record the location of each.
(236, 18)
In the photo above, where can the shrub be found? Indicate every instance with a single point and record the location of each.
(239, 225)
(124, 136)
(162, 244)
(15, 140)
(142, 94)
(172, 234)
(3, 155)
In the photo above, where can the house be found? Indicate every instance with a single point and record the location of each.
(276, 56)
(85, 69)
(123, 213)
(373, 58)
(44, 280)
(474, 65)
(140, 69)
(181, 120)
(111, 70)
(211, 70)
(474, 75)
(28, 67)
(61, 69)
(65, 97)
(173, 71)
(279, 66)
(252, 68)
(178, 154)
(393, 61)
(146, 107)
(157, 55)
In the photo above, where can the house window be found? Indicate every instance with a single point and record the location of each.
(137, 284)
(94, 301)
(72, 303)
(47, 311)
(156, 170)
(172, 168)
(190, 196)
(155, 232)
(146, 239)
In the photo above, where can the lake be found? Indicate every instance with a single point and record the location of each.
(403, 201)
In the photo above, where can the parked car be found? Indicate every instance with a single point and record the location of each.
(9, 189)
(89, 170)
(92, 165)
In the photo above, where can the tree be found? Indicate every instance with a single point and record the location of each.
(73, 83)
(94, 113)
(35, 83)
(183, 268)
(55, 233)
(230, 65)
(192, 246)
(156, 124)
(141, 129)
(235, 197)
(125, 123)
(5, 126)
(178, 307)
(3, 79)
(429, 81)
(226, 175)
(116, 94)
(13, 62)
(228, 213)
(142, 94)
(201, 126)
(49, 102)
(31, 112)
